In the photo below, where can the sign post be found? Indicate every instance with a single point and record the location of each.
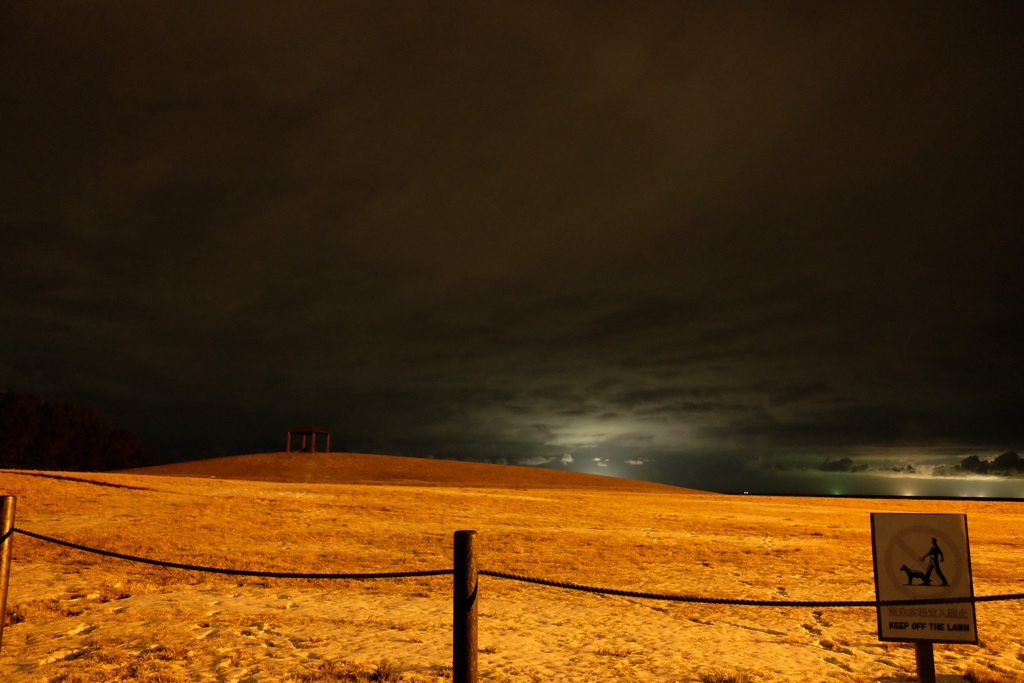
(917, 557)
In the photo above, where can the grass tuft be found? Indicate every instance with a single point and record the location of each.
(720, 675)
(975, 675)
(330, 670)
(386, 672)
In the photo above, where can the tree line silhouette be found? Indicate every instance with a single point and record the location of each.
(40, 435)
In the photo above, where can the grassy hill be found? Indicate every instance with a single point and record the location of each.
(361, 468)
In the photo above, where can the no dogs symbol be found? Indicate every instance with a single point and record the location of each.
(923, 557)
(919, 557)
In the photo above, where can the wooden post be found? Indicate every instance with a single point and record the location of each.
(288, 444)
(464, 609)
(328, 443)
(6, 524)
(925, 656)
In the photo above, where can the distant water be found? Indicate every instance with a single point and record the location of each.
(865, 484)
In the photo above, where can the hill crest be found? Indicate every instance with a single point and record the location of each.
(364, 468)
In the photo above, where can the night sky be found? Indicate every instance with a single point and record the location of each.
(707, 243)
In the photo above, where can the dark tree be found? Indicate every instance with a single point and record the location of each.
(38, 435)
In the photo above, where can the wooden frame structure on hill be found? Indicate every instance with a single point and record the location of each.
(309, 431)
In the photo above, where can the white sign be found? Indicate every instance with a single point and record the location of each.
(918, 557)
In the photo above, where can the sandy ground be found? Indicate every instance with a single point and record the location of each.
(80, 617)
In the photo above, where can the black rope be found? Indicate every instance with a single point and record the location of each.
(234, 572)
(527, 579)
(751, 603)
(7, 535)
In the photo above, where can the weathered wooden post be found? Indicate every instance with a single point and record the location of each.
(464, 609)
(925, 656)
(6, 526)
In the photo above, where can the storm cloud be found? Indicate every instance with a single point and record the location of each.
(685, 234)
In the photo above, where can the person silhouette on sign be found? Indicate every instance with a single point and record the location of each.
(934, 557)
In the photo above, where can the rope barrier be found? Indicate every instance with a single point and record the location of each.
(526, 579)
(234, 572)
(750, 603)
(7, 535)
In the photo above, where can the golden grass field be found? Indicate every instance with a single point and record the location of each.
(77, 617)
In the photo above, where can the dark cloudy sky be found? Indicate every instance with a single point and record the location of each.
(701, 236)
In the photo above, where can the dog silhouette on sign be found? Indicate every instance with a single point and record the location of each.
(934, 558)
(915, 574)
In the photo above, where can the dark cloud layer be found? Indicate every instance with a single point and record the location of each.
(662, 232)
